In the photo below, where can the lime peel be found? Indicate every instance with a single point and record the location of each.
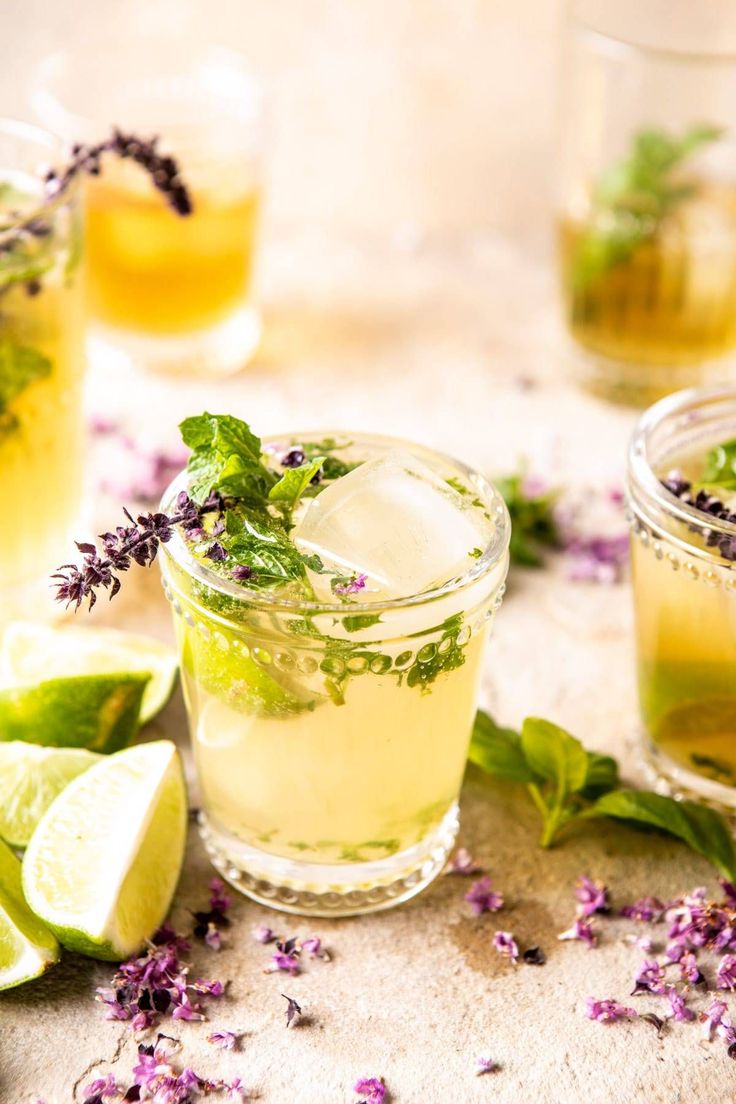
(27, 948)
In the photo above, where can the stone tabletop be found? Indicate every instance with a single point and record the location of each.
(455, 346)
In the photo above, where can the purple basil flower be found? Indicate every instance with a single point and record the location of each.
(226, 1040)
(485, 1065)
(294, 458)
(680, 1011)
(354, 585)
(241, 573)
(482, 898)
(293, 1010)
(591, 896)
(716, 1018)
(598, 559)
(286, 962)
(313, 947)
(581, 930)
(372, 1089)
(689, 970)
(608, 1011)
(726, 976)
(647, 909)
(729, 891)
(216, 552)
(463, 862)
(505, 944)
(213, 938)
(650, 978)
(220, 901)
(263, 934)
(102, 1091)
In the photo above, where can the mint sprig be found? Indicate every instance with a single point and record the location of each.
(570, 785)
(632, 197)
(533, 524)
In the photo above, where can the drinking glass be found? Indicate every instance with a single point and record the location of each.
(330, 740)
(646, 222)
(684, 578)
(167, 292)
(41, 369)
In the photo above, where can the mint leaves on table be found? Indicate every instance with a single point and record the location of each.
(632, 197)
(569, 784)
(533, 525)
(20, 366)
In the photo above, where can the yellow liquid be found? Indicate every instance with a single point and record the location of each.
(686, 645)
(343, 783)
(673, 300)
(41, 434)
(157, 272)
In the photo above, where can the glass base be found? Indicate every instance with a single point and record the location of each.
(633, 383)
(218, 351)
(322, 889)
(669, 777)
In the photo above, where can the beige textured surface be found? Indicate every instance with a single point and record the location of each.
(402, 297)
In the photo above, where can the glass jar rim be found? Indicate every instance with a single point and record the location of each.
(21, 131)
(79, 124)
(491, 556)
(617, 41)
(645, 485)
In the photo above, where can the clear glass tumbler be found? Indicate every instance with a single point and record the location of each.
(166, 292)
(646, 223)
(684, 577)
(41, 369)
(331, 740)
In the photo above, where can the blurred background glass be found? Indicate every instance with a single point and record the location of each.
(647, 209)
(168, 292)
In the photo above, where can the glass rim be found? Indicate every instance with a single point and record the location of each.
(42, 137)
(614, 43)
(491, 556)
(641, 474)
(51, 106)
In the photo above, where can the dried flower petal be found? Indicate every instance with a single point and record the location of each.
(482, 898)
(485, 1065)
(372, 1089)
(226, 1040)
(680, 1011)
(607, 1010)
(263, 934)
(293, 1010)
(463, 862)
(581, 930)
(650, 978)
(726, 976)
(505, 944)
(591, 896)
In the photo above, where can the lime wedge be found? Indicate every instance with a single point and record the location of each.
(98, 712)
(31, 653)
(30, 778)
(27, 948)
(102, 866)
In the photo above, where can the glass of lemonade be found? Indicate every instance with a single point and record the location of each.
(682, 491)
(331, 734)
(166, 292)
(41, 369)
(646, 222)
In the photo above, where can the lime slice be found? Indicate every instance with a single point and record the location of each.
(27, 948)
(30, 778)
(102, 866)
(32, 652)
(98, 712)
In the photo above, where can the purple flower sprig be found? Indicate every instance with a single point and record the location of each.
(156, 1078)
(137, 542)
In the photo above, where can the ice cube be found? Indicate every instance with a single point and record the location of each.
(396, 521)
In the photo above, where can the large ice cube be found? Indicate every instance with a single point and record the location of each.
(396, 521)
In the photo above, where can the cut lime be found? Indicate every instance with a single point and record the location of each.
(33, 652)
(30, 778)
(98, 712)
(102, 866)
(27, 948)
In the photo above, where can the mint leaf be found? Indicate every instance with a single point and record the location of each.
(498, 751)
(256, 540)
(226, 457)
(720, 468)
(702, 829)
(294, 482)
(601, 776)
(20, 366)
(533, 524)
(554, 754)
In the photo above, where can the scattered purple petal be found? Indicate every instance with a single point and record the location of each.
(650, 978)
(372, 1089)
(354, 584)
(592, 896)
(293, 1010)
(482, 898)
(313, 947)
(689, 969)
(505, 944)
(598, 559)
(726, 976)
(463, 862)
(680, 1011)
(485, 1065)
(263, 934)
(581, 930)
(226, 1040)
(715, 1018)
(103, 1090)
(608, 1011)
(647, 909)
(287, 963)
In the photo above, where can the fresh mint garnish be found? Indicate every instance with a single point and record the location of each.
(20, 366)
(569, 784)
(531, 508)
(720, 467)
(632, 198)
